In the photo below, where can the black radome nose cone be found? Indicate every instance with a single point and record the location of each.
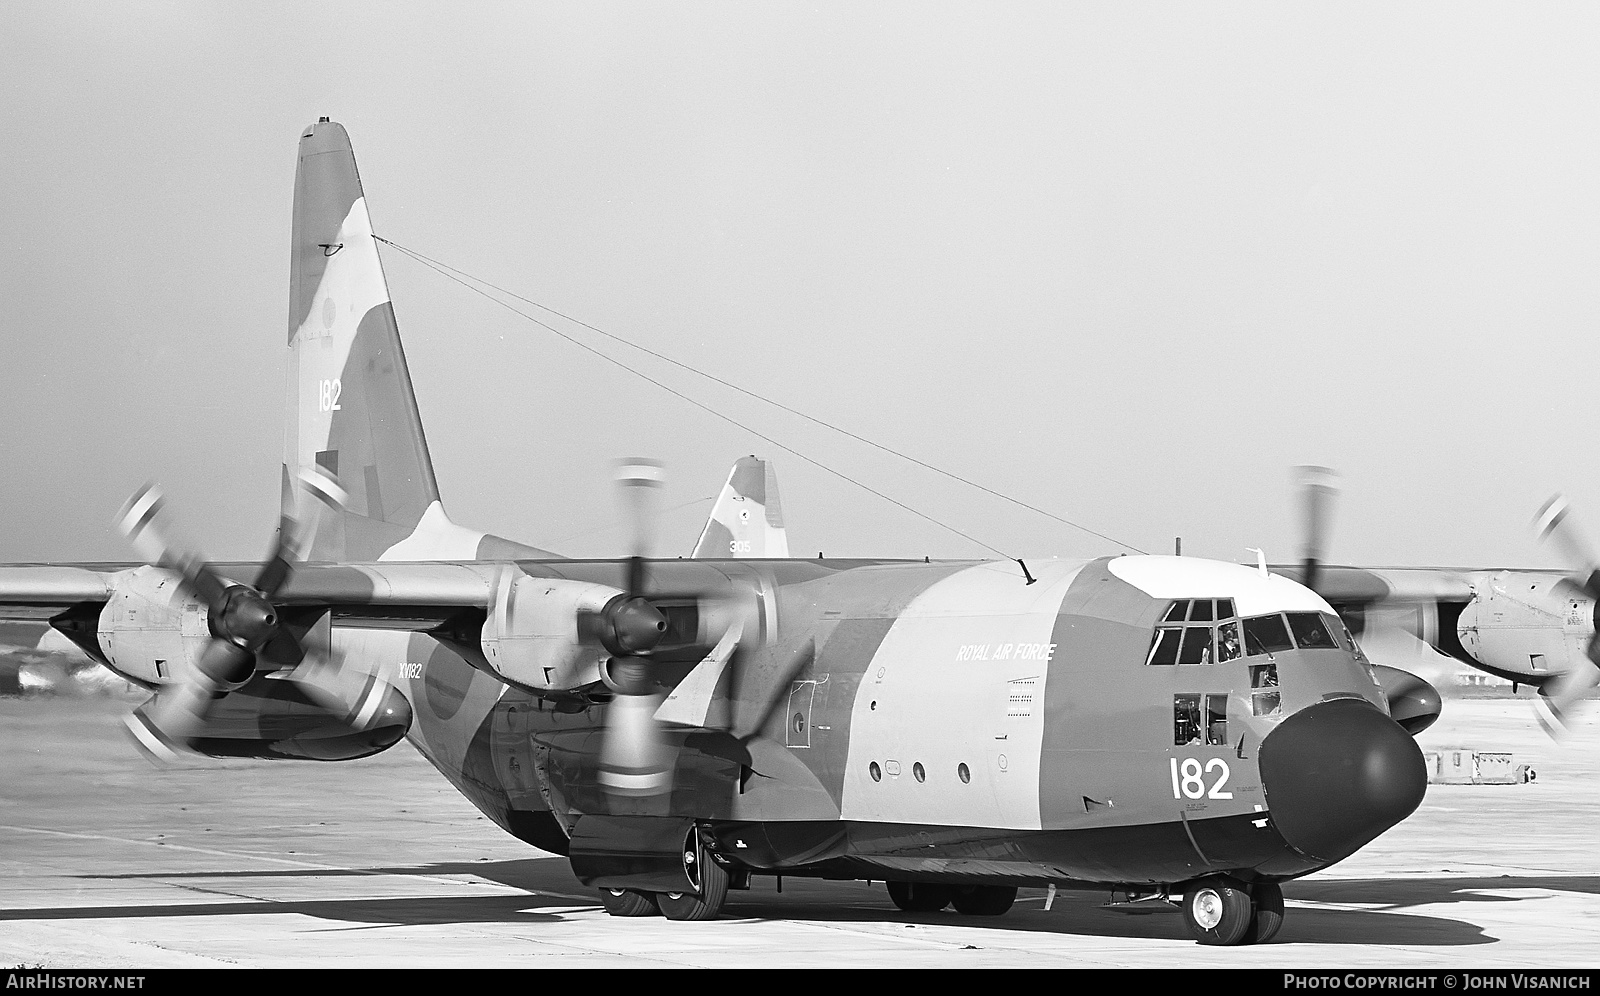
(1338, 774)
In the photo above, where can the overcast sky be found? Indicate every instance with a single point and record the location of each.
(1125, 262)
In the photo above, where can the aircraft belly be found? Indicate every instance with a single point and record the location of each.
(957, 685)
(1163, 851)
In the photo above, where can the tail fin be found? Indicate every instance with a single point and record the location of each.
(747, 520)
(354, 436)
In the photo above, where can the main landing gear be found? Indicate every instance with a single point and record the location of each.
(973, 900)
(1222, 910)
(708, 882)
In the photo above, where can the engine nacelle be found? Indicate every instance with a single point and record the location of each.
(271, 718)
(1527, 626)
(558, 635)
(531, 636)
(150, 631)
(1412, 701)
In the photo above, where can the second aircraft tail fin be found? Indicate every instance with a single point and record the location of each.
(747, 520)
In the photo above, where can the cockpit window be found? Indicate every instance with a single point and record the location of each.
(1266, 635)
(1354, 647)
(1164, 649)
(1228, 642)
(1311, 630)
(1196, 645)
(1206, 631)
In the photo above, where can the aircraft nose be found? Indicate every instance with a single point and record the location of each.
(1338, 774)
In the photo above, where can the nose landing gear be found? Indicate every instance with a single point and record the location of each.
(1221, 910)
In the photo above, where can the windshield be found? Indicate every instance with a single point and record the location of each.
(1204, 631)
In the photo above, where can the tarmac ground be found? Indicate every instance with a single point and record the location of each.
(107, 862)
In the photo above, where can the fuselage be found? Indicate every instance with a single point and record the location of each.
(1121, 720)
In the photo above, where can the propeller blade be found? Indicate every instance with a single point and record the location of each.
(1555, 523)
(280, 562)
(1564, 698)
(1318, 488)
(164, 725)
(634, 761)
(140, 520)
(639, 483)
(352, 695)
(689, 704)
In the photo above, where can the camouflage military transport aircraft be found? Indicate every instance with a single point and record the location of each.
(1170, 729)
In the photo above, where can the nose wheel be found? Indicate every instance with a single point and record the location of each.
(1224, 911)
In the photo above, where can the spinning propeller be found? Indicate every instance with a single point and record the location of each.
(633, 754)
(244, 623)
(1413, 702)
(637, 628)
(1562, 697)
(1318, 489)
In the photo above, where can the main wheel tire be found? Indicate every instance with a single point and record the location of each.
(983, 900)
(708, 877)
(1269, 913)
(629, 902)
(919, 897)
(1217, 910)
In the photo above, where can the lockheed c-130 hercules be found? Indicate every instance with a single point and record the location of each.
(1171, 729)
